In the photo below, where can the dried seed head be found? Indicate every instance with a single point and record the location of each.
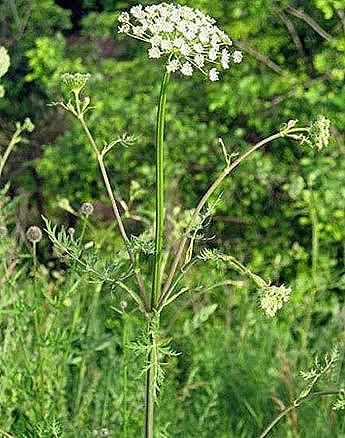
(75, 82)
(272, 299)
(87, 208)
(34, 234)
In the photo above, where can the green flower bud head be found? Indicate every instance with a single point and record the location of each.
(75, 82)
(28, 125)
(319, 133)
(272, 299)
(34, 234)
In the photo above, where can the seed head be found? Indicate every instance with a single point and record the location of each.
(87, 208)
(272, 299)
(34, 234)
(75, 82)
(188, 38)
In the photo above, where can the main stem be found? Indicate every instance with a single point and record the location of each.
(159, 234)
(157, 276)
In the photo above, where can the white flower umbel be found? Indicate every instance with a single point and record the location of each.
(272, 299)
(186, 37)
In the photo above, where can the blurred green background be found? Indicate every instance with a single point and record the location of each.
(283, 212)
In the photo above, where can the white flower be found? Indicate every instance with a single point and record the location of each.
(187, 69)
(238, 57)
(213, 54)
(225, 59)
(166, 45)
(124, 17)
(214, 75)
(199, 60)
(125, 28)
(184, 35)
(173, 66)
(154, 52)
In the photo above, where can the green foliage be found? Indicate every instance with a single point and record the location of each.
(282, 214)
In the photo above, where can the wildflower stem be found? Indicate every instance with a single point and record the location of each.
(210, 192)
(14, 140)
(294, 406)
(156, 284)
(157, 275)
(115, 209)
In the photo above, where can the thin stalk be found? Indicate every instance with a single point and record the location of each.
(159, 234)
(315, 238)
(210, 192)
(114, 206)
(14, 140)
(125, 377)
(295, 405)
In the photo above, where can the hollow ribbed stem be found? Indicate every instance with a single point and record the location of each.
(159, 234)
(157, 276)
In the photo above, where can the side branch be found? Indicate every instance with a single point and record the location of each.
(210, 192)
(299, 13)
(115, 210)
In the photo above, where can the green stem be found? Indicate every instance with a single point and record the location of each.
(125, 376)
(159, 232)
(14, 140)
(295, 405)
(156, 284)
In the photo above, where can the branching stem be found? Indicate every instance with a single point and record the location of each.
(100, 158)
(210, 192)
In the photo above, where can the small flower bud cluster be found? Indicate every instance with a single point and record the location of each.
(87, 208)
(272, 299)
(4, 66)
(28, 125)
(3, 231)
(75, 82)
(187, 37)
(319, 133)
(34, 234)
(101, 432)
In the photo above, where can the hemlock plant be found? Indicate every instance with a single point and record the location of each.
(186, 42)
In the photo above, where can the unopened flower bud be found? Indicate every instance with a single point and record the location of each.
(123, 305)
(3, 231)
(87, 208)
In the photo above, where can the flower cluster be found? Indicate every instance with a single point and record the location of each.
(75, 82)
(272, 299)
(4, 66)
(319, 133)
(188, 38)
